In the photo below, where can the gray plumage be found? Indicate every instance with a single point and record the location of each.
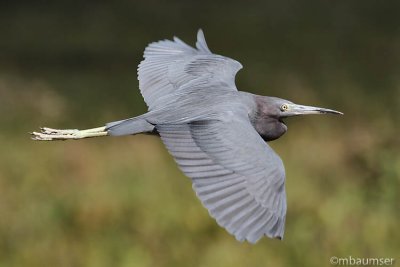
(216, 134)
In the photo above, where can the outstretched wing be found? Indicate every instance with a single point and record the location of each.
(236, 175)
(168, 65)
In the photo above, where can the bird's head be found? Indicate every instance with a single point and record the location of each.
(270, 112)
(281, 108)
(285, 108)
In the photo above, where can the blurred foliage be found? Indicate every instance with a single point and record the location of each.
(123, 202)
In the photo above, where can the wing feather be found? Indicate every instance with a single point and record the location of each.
(169, 66)
(241, 183)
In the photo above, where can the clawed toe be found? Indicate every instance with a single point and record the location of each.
(44, 136)
(50, 131)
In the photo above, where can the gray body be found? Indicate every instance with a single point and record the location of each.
(216, 134)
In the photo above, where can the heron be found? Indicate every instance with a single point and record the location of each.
(217, 134)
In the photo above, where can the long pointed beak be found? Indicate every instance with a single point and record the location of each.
(295, 109)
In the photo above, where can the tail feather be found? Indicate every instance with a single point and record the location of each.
(129, 127)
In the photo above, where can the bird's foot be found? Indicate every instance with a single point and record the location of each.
(49, 134)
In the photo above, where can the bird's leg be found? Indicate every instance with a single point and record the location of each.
(49, 134)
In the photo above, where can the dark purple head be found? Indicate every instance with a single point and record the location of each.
(268, 118)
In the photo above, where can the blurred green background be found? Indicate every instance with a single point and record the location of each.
(123, 202)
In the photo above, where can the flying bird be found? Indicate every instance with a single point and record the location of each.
(217, 135)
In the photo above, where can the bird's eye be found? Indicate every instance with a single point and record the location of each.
(284, 107)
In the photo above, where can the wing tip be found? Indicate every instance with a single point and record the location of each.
(253, 241)
(201, 43)
(274, 232)
(200, 33)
